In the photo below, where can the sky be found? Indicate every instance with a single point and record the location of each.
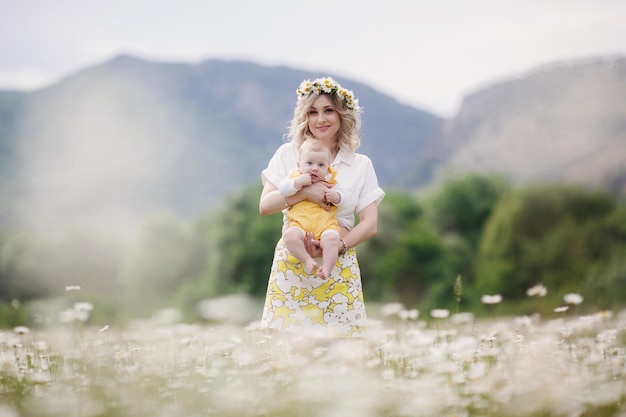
(428, 54)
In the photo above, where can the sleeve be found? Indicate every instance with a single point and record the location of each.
(371, 192)
(280, 164)
(287, 187)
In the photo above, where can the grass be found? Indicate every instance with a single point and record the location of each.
(570, 366)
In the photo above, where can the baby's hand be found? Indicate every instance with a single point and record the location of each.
(303, 180)
(332, 196)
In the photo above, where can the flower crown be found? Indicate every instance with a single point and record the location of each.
(328, 86)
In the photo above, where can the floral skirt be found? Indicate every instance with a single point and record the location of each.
(308, 305)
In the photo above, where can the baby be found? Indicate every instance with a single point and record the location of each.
(314, 161)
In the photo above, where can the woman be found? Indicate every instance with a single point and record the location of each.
(297, 301)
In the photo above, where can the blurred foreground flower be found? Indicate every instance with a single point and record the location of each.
(439, 313)
(603, 315)
(573, 298)
(460, 318)
(83, 306)
(80, 312)
(491, 299)
(405, 315)
(233, 308)
(523, 321)
(167, 316)
(391, 309)
(21, 330)
(538, 290)
(561, 309)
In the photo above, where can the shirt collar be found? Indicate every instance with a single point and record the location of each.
(344, 156)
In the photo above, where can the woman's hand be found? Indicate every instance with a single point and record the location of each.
(316, 193)
(312, 245)
(272, 201)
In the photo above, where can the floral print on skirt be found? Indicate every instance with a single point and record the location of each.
(308, 305)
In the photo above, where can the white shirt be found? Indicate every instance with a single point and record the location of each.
(355, 174)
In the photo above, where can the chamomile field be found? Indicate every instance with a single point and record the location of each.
(443, 365)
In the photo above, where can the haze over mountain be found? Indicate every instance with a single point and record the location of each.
(128, 137)
(562, 123)
(117, 141)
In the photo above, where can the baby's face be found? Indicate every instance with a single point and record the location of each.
(314, 163)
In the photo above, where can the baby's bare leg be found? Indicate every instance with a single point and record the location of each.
(330, 248)
(294, 242)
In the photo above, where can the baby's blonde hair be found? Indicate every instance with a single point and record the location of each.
(349, 128)
(314, 145)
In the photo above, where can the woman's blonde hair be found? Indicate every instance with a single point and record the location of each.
(348, 136)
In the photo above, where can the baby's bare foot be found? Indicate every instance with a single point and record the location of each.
(322, 273)
(310, 266)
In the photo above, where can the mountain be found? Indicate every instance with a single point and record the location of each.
(115, 141)
(561, 123)
(128, 137)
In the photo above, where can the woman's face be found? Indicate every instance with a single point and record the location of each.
(323, 119)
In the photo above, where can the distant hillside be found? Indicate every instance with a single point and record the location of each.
(113, 142)
(128, 137)
(564, 123)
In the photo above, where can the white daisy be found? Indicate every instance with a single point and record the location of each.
(573, 298)
(491, 299)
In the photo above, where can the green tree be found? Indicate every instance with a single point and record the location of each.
(606, 280)
(241, 245)
(407, 260)
(557, 235)
(459, 210)
(461, 206)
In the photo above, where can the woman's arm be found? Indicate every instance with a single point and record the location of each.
(365, 229)
(272, 201)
